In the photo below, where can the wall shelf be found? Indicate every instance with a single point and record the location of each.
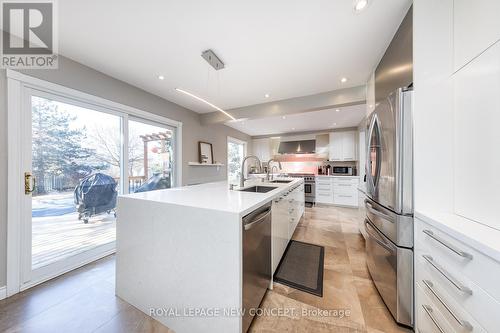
(198, 164)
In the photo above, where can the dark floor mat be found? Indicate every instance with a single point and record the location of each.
(302, 267)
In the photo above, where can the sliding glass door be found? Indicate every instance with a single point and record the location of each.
(78, 158)
(150, 156)
(74, 182)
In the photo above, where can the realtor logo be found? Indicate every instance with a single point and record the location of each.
(29, 34)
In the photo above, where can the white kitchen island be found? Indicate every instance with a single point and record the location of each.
(179, 252)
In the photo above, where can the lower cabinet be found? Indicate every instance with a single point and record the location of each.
(456, 286)
(337, 191)
(287, 212)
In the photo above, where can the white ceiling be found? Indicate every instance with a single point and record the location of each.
(349, 116)
(281, 47)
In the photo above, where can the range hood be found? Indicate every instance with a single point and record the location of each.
(297, 147)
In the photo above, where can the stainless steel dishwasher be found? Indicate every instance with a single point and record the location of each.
(256, 259)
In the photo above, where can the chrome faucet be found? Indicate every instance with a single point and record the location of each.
(268, 167)
(242, 173)
(272, 173)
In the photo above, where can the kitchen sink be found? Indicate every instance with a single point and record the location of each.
(281, 181)
(259, 189)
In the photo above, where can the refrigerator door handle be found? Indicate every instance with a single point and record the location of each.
(374, 126)
(374, 211)
(368, 166)
(376, 237)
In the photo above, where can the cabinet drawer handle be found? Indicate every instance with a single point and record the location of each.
(465, 324)
(324, 195)
(345, 185)
(449, 246)
(429, 311)
(345, 196)
(447, 275)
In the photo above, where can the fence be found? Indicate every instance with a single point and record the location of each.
(60, 183)
(50, 183)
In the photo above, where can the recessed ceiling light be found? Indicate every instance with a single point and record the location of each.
(334, 124)
(266, 95)
(283, 117)
(204, 101)
(293, 128)
(343, 80)
(338, 110)
(359, 5)
(161, 77)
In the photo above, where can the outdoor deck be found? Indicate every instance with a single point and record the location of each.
(58, 234)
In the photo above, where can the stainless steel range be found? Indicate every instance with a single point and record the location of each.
(309, 185)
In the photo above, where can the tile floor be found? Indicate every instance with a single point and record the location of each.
(84, 301)
(347, 284)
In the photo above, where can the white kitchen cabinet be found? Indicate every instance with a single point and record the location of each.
(279, 230)
(261, 149)
(343, 146)
(476, 27)
(349, 146)
(477, 115)
(296, 206)
(288, 209)
(324, 190)
(450, 279)
(345, 191)
(335, 146)
(340, 190)
(274, 146)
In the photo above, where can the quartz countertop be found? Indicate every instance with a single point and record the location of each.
(217, 196)
(481, 237)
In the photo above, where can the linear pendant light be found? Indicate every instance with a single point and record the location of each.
(204, 101)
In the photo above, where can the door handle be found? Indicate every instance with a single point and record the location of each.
(464, 323)
(378, 213)
(29, 183)
(448, 245)
(452, 280)
(250, 225)
(429, 312)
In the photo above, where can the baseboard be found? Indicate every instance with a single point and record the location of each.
(3, 292)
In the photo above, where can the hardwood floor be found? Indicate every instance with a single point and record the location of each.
(84, 300)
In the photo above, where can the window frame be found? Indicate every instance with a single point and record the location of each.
(231, 139)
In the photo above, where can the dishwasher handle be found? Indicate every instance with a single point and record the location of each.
(257, 220)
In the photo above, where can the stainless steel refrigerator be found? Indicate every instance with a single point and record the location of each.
(389, 203)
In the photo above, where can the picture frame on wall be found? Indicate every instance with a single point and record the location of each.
(206, 152)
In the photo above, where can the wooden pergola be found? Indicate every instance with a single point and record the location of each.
(162, 136)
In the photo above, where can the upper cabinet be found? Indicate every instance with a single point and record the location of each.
(477, 115)
(476, 27)
(262, 149)
(343, 146)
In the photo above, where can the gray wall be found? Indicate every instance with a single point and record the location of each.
(74, 75)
